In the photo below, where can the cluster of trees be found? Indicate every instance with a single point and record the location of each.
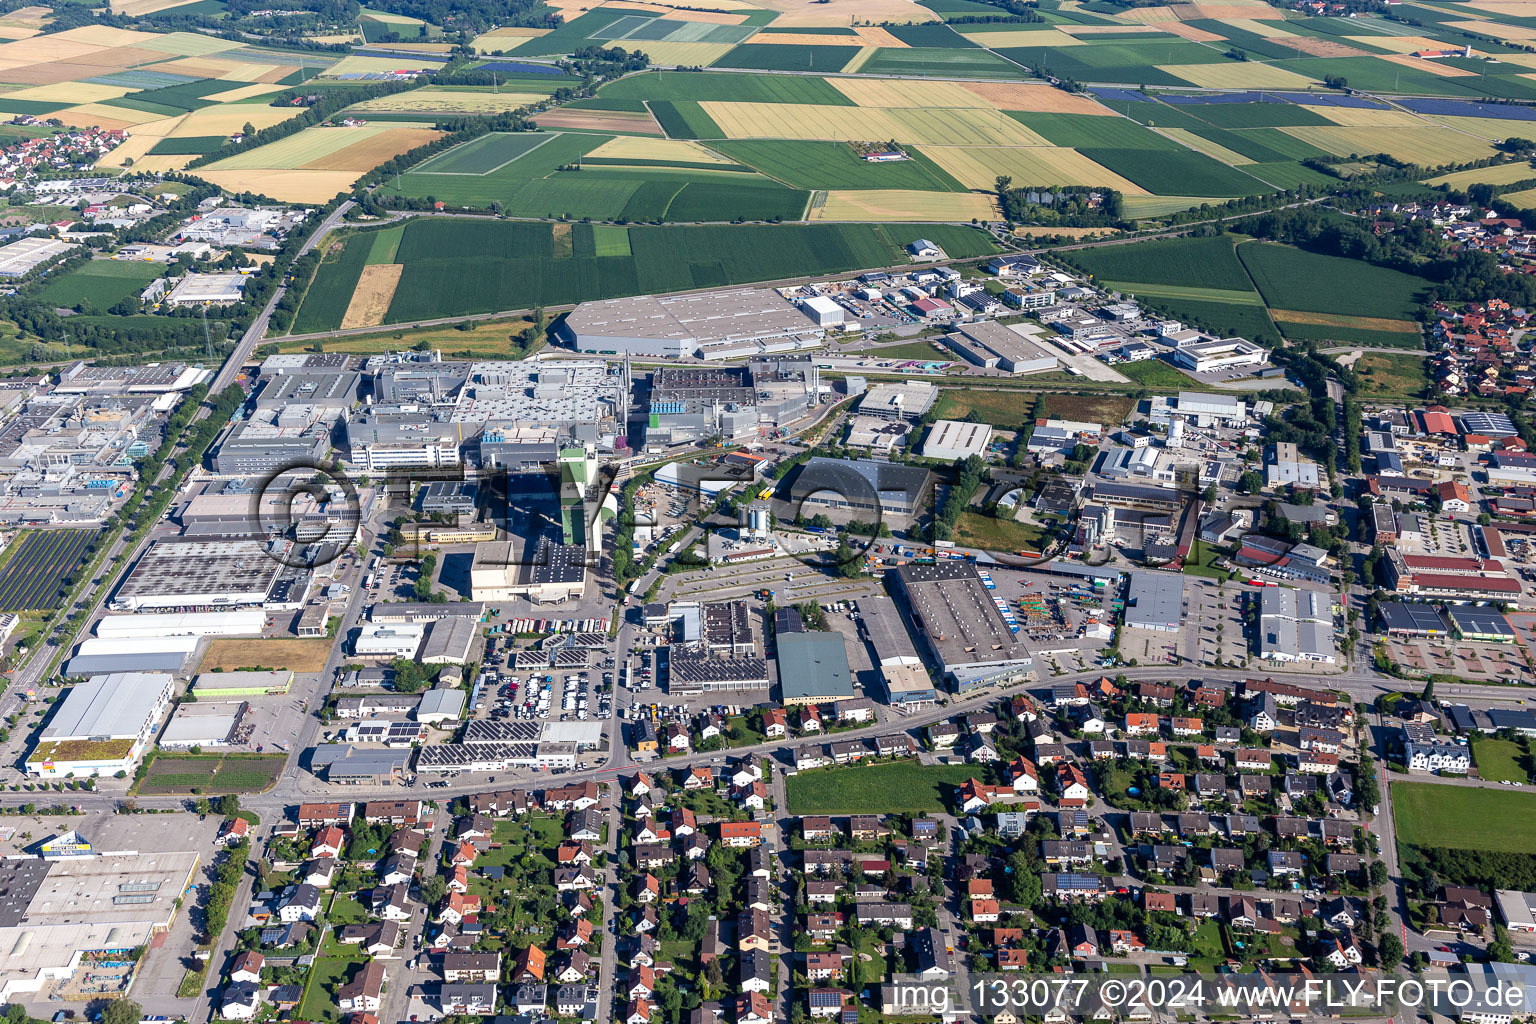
(226, 878)
(1070, 205)
(412, 676)
(960, 494)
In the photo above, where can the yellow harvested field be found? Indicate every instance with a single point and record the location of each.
(16, 31)
(1189, 139)
(1106, 30)
(139, 142)
(447, 101)
(979, 166)
(355, 64)
(300, 148)
(727, 12)
(904, 205)
(872, 35)
(1256, 11)
(1149, 15)
(291, 186)
(1038, 231)
(337, 37)
(139, 8)
(506, 38)
(935, 127)
(296, 655)
(45, 48)
(1190, 32)
(1042, 97)
(1497, 31)
(103, 116)
(685, 54)
(1398, 44)
(1365, 117)
(1430, 146)
(366, 154)
(599, 121)
(1525, 200)
(1158, 206)
(1024, 37)
(1312, 46)
(807, 38)
(105, 35)
(224, 120)
(199, 67)
(1432, 67)
(69, 92)
(630, 147)
(188, 44)
(1238, 75)
(1258, 28)
(1499, 174)
(1494, 129)
(800, 13)
(370, 301)
(895, 92)
(386, 18)
(1369, 323)
(244, 92)
(860, 59)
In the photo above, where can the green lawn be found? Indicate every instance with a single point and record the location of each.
(1460, 817)
(346, 910)
(1499, 760)
(974, 530)
(1154, 373)
(328, 974)
(878, 788)
(1387, 374)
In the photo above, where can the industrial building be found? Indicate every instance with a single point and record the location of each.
(1413, 620)
(1012, 349)
(859, 486)
(813, 668)
(694, 403)
(963, 629)
(751, 320)
(1296, 625)
(391, 640)
(449, 642)
(177, 573)
(257, 446)
(956, 441)
(242, 622)
(1209, 355)
(1207, 410)
(905, 680)
(876, 435)
(1155, 601)
(381, 441)
(213, 289)
(908, 400)
(96, 655)
(694, 670)
(217, 685)
(29, 253)
(74, 905)
(1482, 623)
(102, 726)
(326, 392)
(211, 724)
(554, 573)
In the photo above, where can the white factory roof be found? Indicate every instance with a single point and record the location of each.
(1197, 401)
(954, 439)
(201, 724)
(129, 645)
(229, 623)
(108, 707)
(210, 288)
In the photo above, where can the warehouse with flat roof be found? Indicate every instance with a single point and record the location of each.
(214, 685)
(861, 485)
(1401, 618)
(675, 326)
(1155, 601)
(1479, 623)
(1296, 625)
(992, 345)
(102, 726)
(813, 668)
(960, 625)
(955, 440)
(177, 573)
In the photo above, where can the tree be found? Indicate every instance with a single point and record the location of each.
(1390, 949)
(122, 1011)
(1428, 693)
(1499, 950)
(228, 805)
(1378, 873)
(1251, 482)
(433, 889)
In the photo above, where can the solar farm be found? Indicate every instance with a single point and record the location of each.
(32, 578)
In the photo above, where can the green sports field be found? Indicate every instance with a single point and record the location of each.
(1458, 817)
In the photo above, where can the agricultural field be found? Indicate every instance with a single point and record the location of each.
(36, 563)
(446, 272)
(484, 339)
(210, 774)
(1386, 376)
(532, 175)
(314, 164)
(1293, 279)
(1456, 817)
(99, 284)
(1205, 263)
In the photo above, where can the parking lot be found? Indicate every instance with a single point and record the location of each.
(1468, 661)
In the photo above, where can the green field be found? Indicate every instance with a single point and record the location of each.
(774, 57)
(1499, 760)
(808, 165)
(1154, 373)
(100, 283)
(1087, 130)
(974, 530)
(1291, 278)
(195, 145)
(449, 269)
(1195, 262)
(1177, 172)
(740, 88)
(900, 787)
(1330, 335)
(543, 176)
(1459, 817)
(208, 774)
(1389, 375)
(685, 119)
(954, 63)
